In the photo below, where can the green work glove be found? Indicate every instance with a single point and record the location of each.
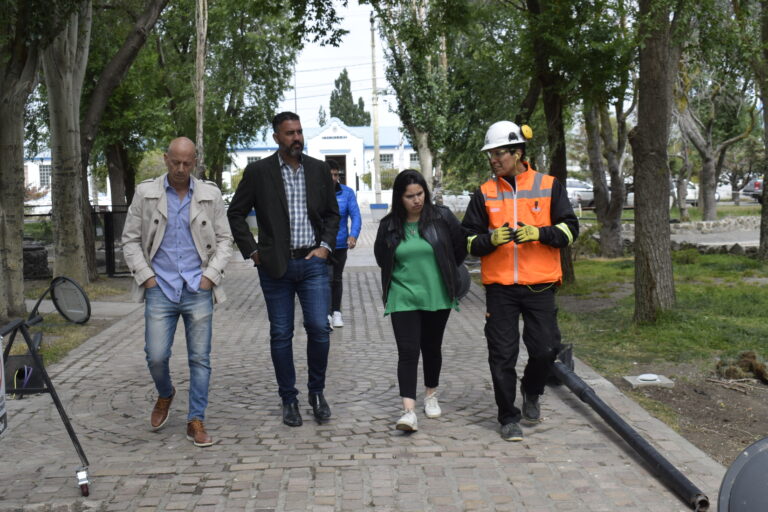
(502, 235)
(526, 233)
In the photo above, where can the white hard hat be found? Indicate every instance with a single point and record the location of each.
(506, 133)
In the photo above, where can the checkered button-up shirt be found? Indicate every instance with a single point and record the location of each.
(302, 235)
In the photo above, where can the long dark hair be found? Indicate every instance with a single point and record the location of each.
(398, 213)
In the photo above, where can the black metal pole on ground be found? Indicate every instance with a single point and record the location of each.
(664, 470)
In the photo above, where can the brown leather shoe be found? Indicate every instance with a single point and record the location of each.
(160, 412)
(197, 434)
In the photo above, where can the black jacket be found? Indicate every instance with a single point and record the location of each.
(446, 237)
(262, 189)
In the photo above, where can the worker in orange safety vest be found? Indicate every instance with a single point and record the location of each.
(517, 222)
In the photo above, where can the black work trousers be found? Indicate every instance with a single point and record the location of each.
(337, 271)
(541, 335)
(418, 332)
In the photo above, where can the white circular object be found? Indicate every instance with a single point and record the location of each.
(648, 377)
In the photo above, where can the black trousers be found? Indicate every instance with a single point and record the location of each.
(418, 332)
(541, 336)
(337, 270)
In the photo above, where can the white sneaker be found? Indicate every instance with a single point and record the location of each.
(408, 422)
(330, 322)
(431, 407)
(337, 321)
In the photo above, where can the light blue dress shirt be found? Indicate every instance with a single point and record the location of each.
(177, 262)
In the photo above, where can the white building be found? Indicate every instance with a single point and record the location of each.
(350, 146)
(37, 174)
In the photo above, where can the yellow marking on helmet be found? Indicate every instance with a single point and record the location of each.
(527, 131)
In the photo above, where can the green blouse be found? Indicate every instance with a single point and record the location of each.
(416, 281)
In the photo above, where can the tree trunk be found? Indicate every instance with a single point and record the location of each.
(12, 201)
(117, 161)
(654, 283)
(610, 223)
(551, 87)
(437, 183)
(610, 239)
(425, 155)
(761, 74)
(201, 17)
(553, 111)
(762, 251)
(122, 177)
(64, 64)
(18, 72)
(681, 185)
(689, 125)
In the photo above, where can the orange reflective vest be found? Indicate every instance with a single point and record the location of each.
(530, 262)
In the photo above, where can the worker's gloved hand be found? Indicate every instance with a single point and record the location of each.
(526, 233)
(502, 235)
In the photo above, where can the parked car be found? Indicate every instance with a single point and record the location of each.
(457, 202)
(630, 200)
(580, 193)
(754, 189)
(692, 194)
(723, 192)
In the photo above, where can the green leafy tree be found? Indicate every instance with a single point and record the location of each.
(322, 117)
(716, 104)
(418, 35)
(65, 69)
(605, 55)
(751, 18)
(343, 106)
(251, 49)
(493, 38)
(27, 27)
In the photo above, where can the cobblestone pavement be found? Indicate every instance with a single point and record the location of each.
(358, 461)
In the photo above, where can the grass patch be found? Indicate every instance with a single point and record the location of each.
(716, 314)
(747, 208)
(102, 288)
(59, 336)
(600, 276)
(657, 409)
(40, 231)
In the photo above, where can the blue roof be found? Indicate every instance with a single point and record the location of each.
(43, 155)
(389, 137)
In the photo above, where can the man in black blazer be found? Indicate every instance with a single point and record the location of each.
(298, 217)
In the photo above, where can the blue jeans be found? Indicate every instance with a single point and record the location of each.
(161, 317)
(309, 280)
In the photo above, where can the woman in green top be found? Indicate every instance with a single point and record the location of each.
(418, 247)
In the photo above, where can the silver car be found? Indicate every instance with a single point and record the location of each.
(754, 189)
(580, 193)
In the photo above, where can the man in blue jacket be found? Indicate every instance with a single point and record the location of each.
(345, 239)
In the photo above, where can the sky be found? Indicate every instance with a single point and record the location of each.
(317, 67)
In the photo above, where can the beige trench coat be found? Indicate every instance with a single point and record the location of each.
(145, 228)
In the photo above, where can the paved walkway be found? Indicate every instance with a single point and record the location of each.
(357, 462)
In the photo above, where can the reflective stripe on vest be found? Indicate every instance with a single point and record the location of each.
(527, 263)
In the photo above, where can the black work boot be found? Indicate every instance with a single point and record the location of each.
(531, 409)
